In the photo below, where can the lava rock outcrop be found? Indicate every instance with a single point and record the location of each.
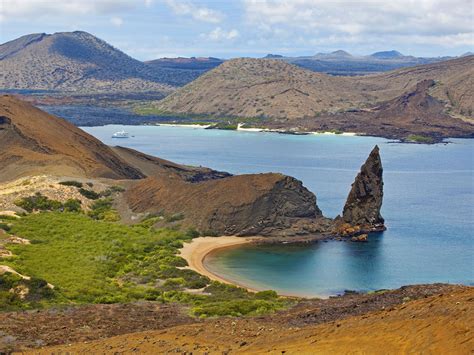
(362, 209)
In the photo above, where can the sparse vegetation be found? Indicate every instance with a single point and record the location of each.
(37, 202)
(90, 261)
(71, 183)
(102, 210)
(18, 293)
(419, 139)
(90, 194)
(175, 217)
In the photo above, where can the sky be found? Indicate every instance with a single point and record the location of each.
(150, 29)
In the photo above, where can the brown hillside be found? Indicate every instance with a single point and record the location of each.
(34, 142)
(260, 87)
(246, 204)
(272, 88)
(414, 112)
(438, 324)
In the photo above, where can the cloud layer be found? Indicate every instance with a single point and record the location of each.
(343, 21)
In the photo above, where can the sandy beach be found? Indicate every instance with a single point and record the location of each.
(183, 125)
(195, 252)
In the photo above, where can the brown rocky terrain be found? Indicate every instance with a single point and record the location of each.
(260, 204)
(415, 112)
(247, 87)
(278, 95)
(425, 318)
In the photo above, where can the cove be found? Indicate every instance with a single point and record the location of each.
(428, 206)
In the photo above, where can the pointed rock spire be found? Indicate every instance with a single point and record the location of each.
(363, 204)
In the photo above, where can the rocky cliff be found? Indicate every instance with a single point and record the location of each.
(362, 208)
(258, 204)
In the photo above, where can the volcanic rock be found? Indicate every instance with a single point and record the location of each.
(363, 204)
(360, 238)
(259, 204)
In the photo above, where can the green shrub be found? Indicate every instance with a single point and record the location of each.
(91, 261)
(91, 195)
(38, 202)
(235, 308)
(266, 295)
(419, 139)
(6, 227)
(192, 233)
(102, 210)
(175, 217)
(71, 183)
(111, 190)
(72, 205)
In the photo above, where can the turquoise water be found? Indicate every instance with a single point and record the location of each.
(428, 206)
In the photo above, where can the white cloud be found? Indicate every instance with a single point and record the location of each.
(116, 21)
(26, 9)
(184, 7)
(218, 34)
(343, 21)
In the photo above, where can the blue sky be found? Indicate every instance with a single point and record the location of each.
(149, 29)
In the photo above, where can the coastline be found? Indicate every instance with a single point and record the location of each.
(196, 251)
(253, 129)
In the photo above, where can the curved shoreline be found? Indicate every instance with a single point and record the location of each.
(196, 251)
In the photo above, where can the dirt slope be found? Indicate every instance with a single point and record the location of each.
(33, 142)
(440, 324)
(248, 87)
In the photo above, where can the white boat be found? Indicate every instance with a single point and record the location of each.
(120, 134)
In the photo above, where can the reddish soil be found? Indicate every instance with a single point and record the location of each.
(414, 319)
(34, 329)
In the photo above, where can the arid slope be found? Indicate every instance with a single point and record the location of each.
(248, 87)
(440, 324)
(33, 142)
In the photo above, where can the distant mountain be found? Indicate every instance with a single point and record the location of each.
(466, 54)
(275, 90)
(193, 63)
(340, 53)
(273, 56)
(77, 62)
(387, 55)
